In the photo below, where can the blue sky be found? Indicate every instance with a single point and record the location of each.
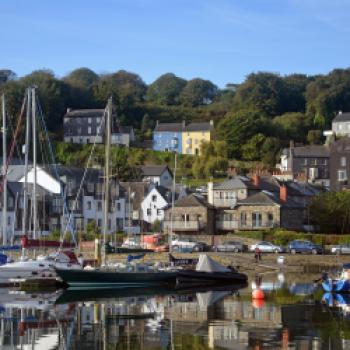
(219, 40)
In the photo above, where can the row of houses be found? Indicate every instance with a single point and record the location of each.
(240, 203)
(84, 126)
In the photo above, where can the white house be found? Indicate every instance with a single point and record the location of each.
(159, 175)
(154, 203)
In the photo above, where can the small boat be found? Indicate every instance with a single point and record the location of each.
(340, 285)
(209, 271)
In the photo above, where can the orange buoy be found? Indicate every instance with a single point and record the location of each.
(258, 303)
(258, 294)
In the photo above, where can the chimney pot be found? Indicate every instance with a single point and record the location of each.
(211, 122)
(283, 193)
(256, 180)
(340, 112)
(69, 110)
(184, 123)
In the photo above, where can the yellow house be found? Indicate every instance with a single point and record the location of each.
(194, 134)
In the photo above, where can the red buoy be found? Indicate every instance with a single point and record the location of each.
(258, 294)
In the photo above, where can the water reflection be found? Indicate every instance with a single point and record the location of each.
(294, 315)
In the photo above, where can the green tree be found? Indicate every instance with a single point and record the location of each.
(270, 150)
(330, 212)
(198, 92)
(236, 128)
(314, 137)
(252, 149)
(166, 89)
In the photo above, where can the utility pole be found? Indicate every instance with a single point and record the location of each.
(35, 209)
(172, 204)
(106, 177)
(4, 173)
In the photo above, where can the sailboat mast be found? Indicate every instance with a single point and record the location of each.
(26, 155)
(4, 160)
(106, 177)
(35, 214)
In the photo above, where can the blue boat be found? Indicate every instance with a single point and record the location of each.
(336, 286)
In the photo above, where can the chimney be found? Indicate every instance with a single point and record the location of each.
(69, 110)
(291, 144)
(340, 112)
(157, 122)
(211, 192)
(184, 123)
(211, 122)
(256, 180)
(283, 193)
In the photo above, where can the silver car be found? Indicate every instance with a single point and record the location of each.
(341, 249)
(230, 246)
(267, 247)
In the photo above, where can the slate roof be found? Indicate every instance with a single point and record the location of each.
(76, 173)
(231, 184)
(170, 127)
(199, 127)
(267, 198)
(85, 113)
(311, 151)
(342, 117)
(153, 170)
(192, 201)
(140, 190)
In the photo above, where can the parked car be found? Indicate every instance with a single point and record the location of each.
(341, 249)
(267, 247)
(230, 246)
(187, 244)
(306, 247)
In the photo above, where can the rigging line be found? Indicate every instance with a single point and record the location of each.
(12, 129)
(14, 139)
(85, 171)
(54, 165)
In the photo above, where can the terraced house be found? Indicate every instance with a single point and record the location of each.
(182, 138)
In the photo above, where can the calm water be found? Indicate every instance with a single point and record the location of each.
(292, 316)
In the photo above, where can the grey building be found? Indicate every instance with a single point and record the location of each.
(341, 124)
(340, 164)
(307, 162)
(85, 126)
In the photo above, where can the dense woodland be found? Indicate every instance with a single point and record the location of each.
(255, 119)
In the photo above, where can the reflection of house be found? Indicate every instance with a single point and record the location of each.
(308, 162)
(191, 214)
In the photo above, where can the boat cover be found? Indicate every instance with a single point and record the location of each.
(210, 298)
(206, 264)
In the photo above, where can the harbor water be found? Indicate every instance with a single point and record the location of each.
(293, 314)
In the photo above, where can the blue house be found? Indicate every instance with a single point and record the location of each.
(168, 137)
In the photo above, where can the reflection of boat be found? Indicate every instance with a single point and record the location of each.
(341, 301)
(84, 295)
(302, 288)
(209, 271)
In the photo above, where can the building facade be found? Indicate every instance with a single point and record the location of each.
(340, 164)
(168, 137)
(341, 124)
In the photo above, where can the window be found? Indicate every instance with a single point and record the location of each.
(342, 175)
(99, 222)
(305, 161)
(118, 206)
(159, 212)
(89, 120)
(342, 161)
(8, 220)
(79, 131)
(99, 206)
(89, 130)
(90, 187)
(243, 219)
(340, 126)
(154, 198)
(149, 212)
(109, 224)
(97, 120)
(256, 219)
(185, 217)
(88, 205)
(270, 218)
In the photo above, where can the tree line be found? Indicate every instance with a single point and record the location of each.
(255, 119)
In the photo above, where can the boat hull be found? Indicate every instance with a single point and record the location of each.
(94, 279)
(198, 277)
